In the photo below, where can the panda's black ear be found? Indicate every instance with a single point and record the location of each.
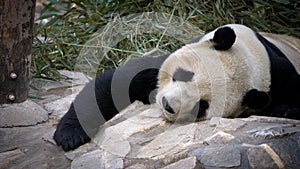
(224, 38)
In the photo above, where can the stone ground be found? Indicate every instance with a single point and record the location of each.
(139, 137)
(26, 129)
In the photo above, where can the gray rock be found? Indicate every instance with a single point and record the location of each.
(204, 131)
(288, 150)
(73, 84)
(214, 121)
(116, 143)
(221, 138)
(264, 119)
(137, 166)
(98, 159)
(115, 137)
(224, 156)
(91, 160)
(230, 124)
(88, 147)
(77, 78)
(38, 153)
(264, 157)
(9, 156)
(46, 99)
(112, 162)
(59, 107)
(48, 136)
(272, 131)
(169, 143)
(56, 87)
(22, 114)
(187, 163)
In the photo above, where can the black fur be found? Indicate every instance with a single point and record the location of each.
(224, 38)
(183, 75)
(256, 100)
(103, 97)
(286, 111)
(285, 86)
(69, 133)
(200, 108)
(140, 91)
(203, 106)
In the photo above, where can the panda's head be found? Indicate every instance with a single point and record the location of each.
(210, 77)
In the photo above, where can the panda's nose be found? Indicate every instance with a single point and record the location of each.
(167, 106)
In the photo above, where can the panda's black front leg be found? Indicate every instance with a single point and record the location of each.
(286, 111)
(256, 100)
(261, 103)
(84, 116)
(69, 133)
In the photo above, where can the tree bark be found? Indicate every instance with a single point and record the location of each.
(16, 35)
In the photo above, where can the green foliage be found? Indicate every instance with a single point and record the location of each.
(72, 22)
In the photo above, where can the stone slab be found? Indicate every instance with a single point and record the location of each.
(187, 163)
(98, 159)
(22, 114)
(9, 156)
(91, 160)
(227, 156)
(263, 156)
(38, 153)
(59, 107)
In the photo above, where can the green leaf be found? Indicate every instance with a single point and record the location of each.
(285, 2)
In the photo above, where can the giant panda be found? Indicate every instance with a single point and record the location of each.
(223, 73)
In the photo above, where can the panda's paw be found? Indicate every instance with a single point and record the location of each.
(256, 100)
(70, 138)
(286, 111)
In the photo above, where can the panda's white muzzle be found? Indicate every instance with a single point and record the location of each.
(178, 100)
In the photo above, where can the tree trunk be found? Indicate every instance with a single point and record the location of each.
(16, 35)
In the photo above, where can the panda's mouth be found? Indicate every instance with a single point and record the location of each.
(198, 112)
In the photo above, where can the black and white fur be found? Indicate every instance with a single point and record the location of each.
(106, 95)
(234, 69)
(222, 73)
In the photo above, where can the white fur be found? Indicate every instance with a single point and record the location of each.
(221, 77)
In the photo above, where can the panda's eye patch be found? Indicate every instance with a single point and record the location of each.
(182, 75)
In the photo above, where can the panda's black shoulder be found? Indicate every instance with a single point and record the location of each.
(280, 64)
(285, 80)
(273, 51)
(143, 81)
